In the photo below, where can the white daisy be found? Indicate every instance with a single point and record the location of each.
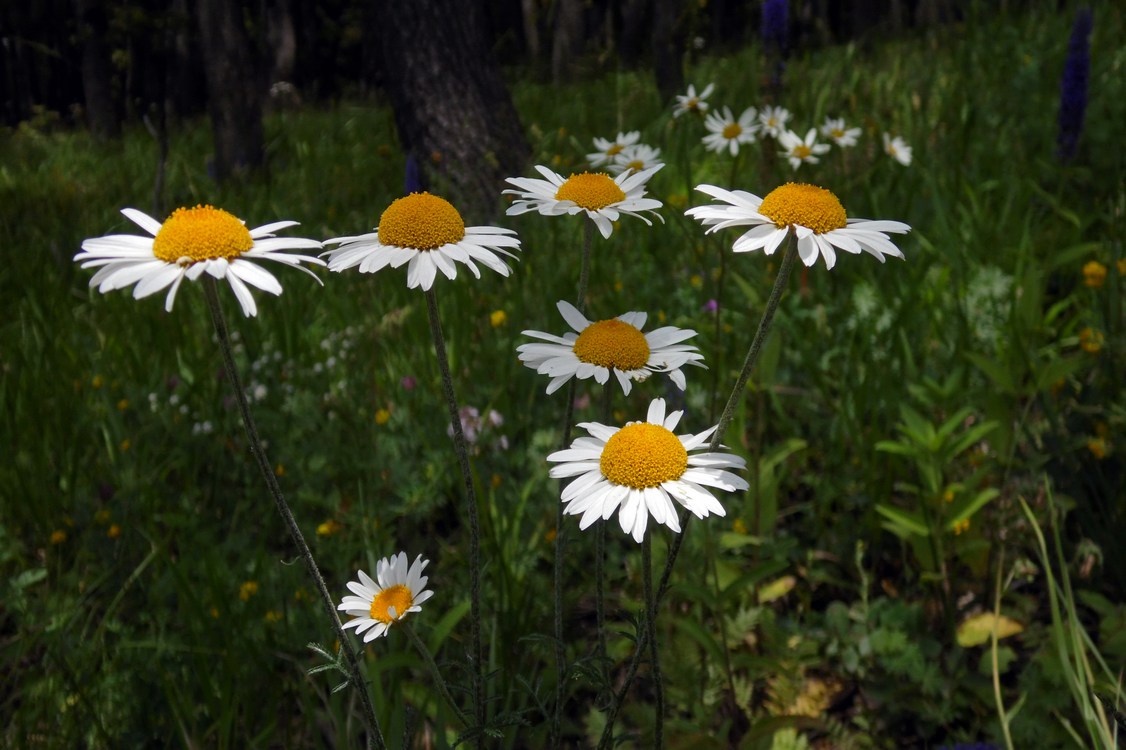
(897, 149)
(395, 592)
(595, 349)
(190, 243)
(636, 158)
(835, 130)
(814, 214)
(773, 120)
(727, 133)
(639, 469)
(602, 197)
(692, 102)
(428, 234)
(608, 149)
(799, 150)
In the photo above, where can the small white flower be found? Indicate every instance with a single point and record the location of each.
(725, 133)
(636, 158)
(608, 149)
(395, 592)
(801, 150)
(773, 120)
(897, 149)
(691, 101)
(839, 133)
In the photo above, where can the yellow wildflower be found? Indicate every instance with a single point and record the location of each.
(1098, 447)
(1094, 274)
(58, 536)
(498, 318)
(247, 590)
(1091, 340)
(114, 531)
(382, 417)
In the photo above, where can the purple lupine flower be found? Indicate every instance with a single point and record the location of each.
(775, 24)
(413, 180)
(1073, 86)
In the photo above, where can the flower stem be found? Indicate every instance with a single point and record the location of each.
(717, 437)
(375, 738)
(560, 530)
(439, 683)
(476, 654)
(651, 629)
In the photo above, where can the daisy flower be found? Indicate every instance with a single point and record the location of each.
(428, 234)
(395, 592)
(725, 132)
(897, 149)
(595, 349)
(190, 243)
(602, 197)
(773, 120)
(692, 102)
(814, 214)
(636, 158)
(835, 130)
(639, 469)
(608, 149)
(801, 150)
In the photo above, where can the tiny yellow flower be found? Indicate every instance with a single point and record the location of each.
(962, 526)
(1121, 263)
(329, 527)
(1091, 340)
(739, 527)
(1094, 274)
(382, 417)
(696, 281)
(125, 445)
(279, 470)
(58, 536)
(495, 481)
(102, 516)
(948, 496)
(98, 381)
(123, 404)
(1098, 447)
(549, 537)
(661, 317)
(114, 531)
(300, 595)
(272, 616)
(247, 590)
(498, 318)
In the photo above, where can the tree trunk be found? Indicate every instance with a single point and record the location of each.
(97, 72)
(668, 47)
(235, 89)
(567, 41)
(452, 109)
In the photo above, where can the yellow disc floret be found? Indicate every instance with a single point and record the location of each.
(398, 597)
(643, 455)
(806, 205)
(191, 235)
(732, 130)
(421, 221)
(612, 343)
(591, 190)
(614, 150)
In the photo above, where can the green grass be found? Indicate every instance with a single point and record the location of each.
(142, 638)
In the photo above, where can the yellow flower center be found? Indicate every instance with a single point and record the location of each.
(806, 205)
(190, 235)
(612, 343)
(837, 133)
(643, 455)
(802, 151)
(636, 165)
(421, 221)
(614, 150)
(592, 191)
(692, 104)
(732, 131)
(398, 596)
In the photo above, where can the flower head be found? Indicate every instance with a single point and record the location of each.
(801, 150)
(725, 133)
(595, 349)
(835, 130)
(1094, 274)
(601, 197)
(395, 592)
(814, 214)
(897, 149)
(428, 234)
(693, 102)
(773, 120)
(636, 158)
(1091, 340)
(639, 469)
(608, 149)
(188, 244)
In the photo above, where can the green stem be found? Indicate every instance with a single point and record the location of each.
(560, 529)
(717, 437)
(651, 628)
(375, 738)
(439, 683)
(476, 653)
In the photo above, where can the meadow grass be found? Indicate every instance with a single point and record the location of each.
(152, 598)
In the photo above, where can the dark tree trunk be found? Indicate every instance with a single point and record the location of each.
(451, 106)
(668, 47)
(632, 36)
(235, 88)
(567, 40)
(97, 71)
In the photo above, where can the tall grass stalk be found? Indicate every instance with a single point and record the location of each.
(375, 735)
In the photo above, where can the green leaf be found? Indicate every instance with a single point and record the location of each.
(997, 374)
(449, 620)
(906, 520)
(978, 629)
(966, 509)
